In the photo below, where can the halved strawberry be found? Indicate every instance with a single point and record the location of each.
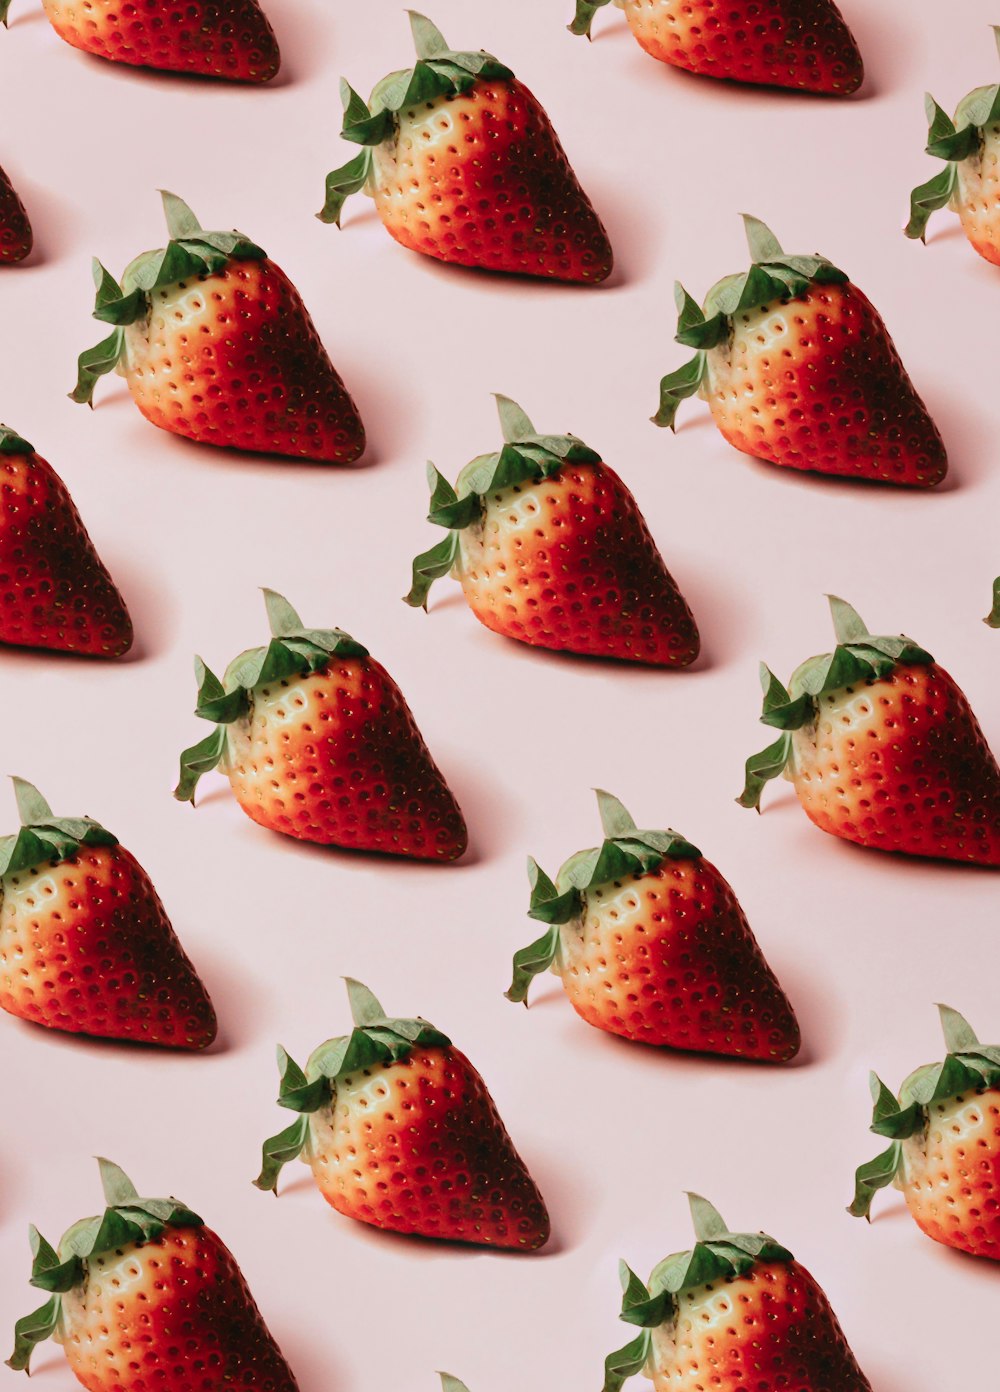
(550, 548)
(215, 344)
(882, 748)
(205, 38)
(318, 743)
(400, 1132)
(736, 1312)
(146, 1297)
(463, 164)
(85, 944)
(651, 944)
(969, 184)
(15, 230)
(802, 44)
(54, 589)
(944, 1151)
(799, 370)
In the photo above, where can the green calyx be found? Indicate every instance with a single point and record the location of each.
(294, 651)
(44, 839)
(12, 443)
(126, 1219)
(190, 253)
(526, 456)
(992, 619)
(376, 1040)
(584, 17)
(438, 72)
(625, 851)
(772, 276)
(952, 141)
(967, 1067)
(718, 1255)
(451, 1384)
(858, 657)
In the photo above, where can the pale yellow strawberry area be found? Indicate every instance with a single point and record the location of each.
(950, 1174)
(823, 750)
(977, 195)
(744, 379)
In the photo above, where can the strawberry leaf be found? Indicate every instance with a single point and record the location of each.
(12, 443)
(677, 386)
(584, 17)
(992, 619)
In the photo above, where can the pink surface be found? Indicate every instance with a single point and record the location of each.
(863, 944)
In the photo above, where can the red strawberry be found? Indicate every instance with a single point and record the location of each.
(802, 44)
(799, 370)
(651, 944)
(15, 229)
(400, 1132)
(209, 38)
(969, 184)
(944, 1151)
(882, 748)
(734, 1313)
(551, 549)
(216, 345)
(464, 166)
(54, 589)
(318, 743)
(145, 1296)
(85, 945)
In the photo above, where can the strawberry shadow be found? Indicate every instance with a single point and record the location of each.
(154, 617)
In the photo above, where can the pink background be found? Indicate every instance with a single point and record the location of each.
(864, 944)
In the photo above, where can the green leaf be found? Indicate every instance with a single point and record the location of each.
(872, 1177)
(197, 760)
(430, 566)
(280, 1150)
(514, 424)
(31, 806)
(548, 904)
(95, 363)
(848, 625)
(530, 962)
(181, 221)
(992, 619)
(118, 1188)
(677, 387)
(626, 1362)
(763, 244)
(41, 1324)
(959, 1036)
(451, 1384)
(428, 40)
(12, 443)
(446, 508)
(761, 768)
(707, 1221)
(639, 1305)
(584, 18)
(342, 183)
(281, 617)
(365, 1008)
(616, 820)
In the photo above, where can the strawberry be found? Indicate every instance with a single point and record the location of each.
(501, 196)
(54, 588)
(15, 229)
(969, 184)
(882, 748)
(550, 548)
(802, 44)
(798, 369)
(735, 1312)
(146, 1296)
(365, 781)
(944, 1143)
(209, 38)
(400, 1132)
(651, 944)
(216, 345)
(85, 944)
